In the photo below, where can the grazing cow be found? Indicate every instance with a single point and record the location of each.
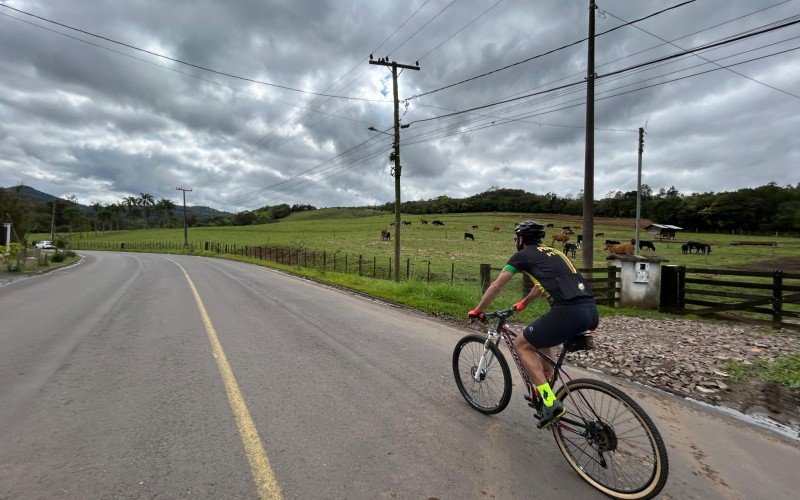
(698, 247)
(474, 227)
(599, 235)
(469, 236)
(438, 223)
(685, 248)
(406, 223)
(384, 235)
(567, 230)
(569, 248)
(580, 240)
(562, 238)
(621, 249)
(496, 229)
(611, 242)
(424, 222)
(644, 244)
(388, 236)
(549, 225)
(391, 224)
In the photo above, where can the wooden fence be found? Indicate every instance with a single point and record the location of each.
(733, 294)
(604, 280)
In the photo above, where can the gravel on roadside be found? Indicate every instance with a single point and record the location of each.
(688, 358)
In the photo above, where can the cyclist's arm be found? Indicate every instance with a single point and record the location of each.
(494, 289)
(534, 294)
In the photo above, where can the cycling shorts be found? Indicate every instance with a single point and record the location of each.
(561, 323)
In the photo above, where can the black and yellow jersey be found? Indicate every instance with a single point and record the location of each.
(552, 273)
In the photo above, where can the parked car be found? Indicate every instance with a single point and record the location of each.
(45, 244)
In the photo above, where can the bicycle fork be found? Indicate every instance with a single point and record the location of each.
(484, 362)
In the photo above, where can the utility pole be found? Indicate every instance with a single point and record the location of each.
(639, 189)
(185, 227)
(53, 224)
(588, 176)
(396, 155)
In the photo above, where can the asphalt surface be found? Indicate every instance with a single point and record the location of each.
(115, 382)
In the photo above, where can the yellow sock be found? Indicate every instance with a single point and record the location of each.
(547, 394)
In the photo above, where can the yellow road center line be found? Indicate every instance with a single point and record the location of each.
(263, 476)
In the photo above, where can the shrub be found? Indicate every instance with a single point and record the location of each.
(58, 257)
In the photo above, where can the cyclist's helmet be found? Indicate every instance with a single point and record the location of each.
(530, 231)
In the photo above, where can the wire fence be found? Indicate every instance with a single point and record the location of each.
(605, 281)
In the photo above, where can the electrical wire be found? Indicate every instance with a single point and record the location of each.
(461, 29)
(684, 53)
(547, 52)
(703, 58)
(186, 63)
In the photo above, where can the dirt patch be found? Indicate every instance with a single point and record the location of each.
(688, 358)
(785, 264)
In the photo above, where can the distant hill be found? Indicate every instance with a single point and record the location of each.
(32, 194)
(335, 213)
(41, 198)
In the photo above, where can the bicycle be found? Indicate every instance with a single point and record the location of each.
(605, 436)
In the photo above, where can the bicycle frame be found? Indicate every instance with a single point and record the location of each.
(501, 330)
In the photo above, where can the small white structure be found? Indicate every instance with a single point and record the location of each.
(664, 231)
(640, 280)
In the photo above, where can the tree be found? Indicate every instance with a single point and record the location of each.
(96, 209)
(164, 207)
(146, 201)
(19, 210)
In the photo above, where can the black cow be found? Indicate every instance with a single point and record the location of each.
(469, 236)
(580, 240)
(644, 244)
(612, 242)
(569, 248)
(685, 248)
(549, 225)
(438, 223)
(698, 247)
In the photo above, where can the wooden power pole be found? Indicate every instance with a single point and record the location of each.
(185, 227)
(588, 179)
(396, 155)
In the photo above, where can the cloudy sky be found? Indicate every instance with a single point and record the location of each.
(82, 115)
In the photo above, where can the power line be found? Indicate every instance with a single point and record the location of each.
(461, 29)
(421, 28)
(399, 27)
(703, 58)
(179, 61)
(547, 52)
(623, 70)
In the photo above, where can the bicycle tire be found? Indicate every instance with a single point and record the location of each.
(486, 396)
(607, 442)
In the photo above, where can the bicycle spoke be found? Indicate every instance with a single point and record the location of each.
(615, 436)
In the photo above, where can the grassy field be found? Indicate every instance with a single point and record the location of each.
(357, 232)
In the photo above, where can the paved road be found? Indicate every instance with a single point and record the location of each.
(116, 380)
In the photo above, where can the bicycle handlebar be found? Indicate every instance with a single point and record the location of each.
(502, 314)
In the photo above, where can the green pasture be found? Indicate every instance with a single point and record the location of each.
(357, 232)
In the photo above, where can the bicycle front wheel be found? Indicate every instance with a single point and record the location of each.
(610, 441)
(487, 389)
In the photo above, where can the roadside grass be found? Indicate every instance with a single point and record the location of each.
(357, 232)
(443, 300)
(784, 370)
(40, 268)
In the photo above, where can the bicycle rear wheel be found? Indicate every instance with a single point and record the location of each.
(610, 441)
(492, 391)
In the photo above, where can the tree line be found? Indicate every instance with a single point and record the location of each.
(764, 209)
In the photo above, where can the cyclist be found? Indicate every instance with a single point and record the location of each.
(572, 307)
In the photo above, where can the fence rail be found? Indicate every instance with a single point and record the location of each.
(751, 297)
(605, 286)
